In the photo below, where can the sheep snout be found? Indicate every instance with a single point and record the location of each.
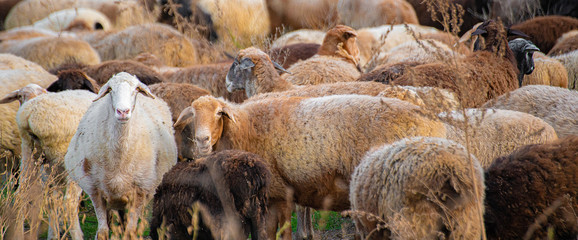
(123, 114)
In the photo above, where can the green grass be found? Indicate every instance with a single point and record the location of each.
(322, 220)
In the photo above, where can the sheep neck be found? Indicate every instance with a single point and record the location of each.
(236, 135)
(268, 80)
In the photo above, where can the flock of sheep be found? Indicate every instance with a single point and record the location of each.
(231, 114)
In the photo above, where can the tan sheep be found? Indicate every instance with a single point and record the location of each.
(308, 140)
(556, 106)
(336, 61)
(165, 42)
(121, 13)
(299, 36)
(490, 133)
(298, 14)
(570, 61)
(372, 13)
(421, 188)
(547, 71)
(75, 19)
(51, 52)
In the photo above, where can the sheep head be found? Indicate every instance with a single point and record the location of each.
(73, 79)
(207, 114)
(24, 94)
(246, 69)
(340, 41)
(523, 50)
(123, 89)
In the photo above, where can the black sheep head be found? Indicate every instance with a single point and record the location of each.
(73, 79)
(523, 50)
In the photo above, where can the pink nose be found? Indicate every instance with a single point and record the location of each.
(122, 112)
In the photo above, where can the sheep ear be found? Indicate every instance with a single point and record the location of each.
(246, 63)
(531, 48)
(145, 90)
(479, 32)
(10, 97)
(90, 83)
(227, 113)
(185, 118)
(280, 68)
(103, 91)
(349, 34)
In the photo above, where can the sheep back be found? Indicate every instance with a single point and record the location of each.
(322, 69)
(535, 184)
(423, 188)
(570, 61)
(545, 30)
(556, 106)
(547, 71)
(568, 42)
(52, 120)
(245, 176)
(51, 52)
(495, 132)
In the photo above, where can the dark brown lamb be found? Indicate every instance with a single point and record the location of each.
(244, 179)
(533, 190)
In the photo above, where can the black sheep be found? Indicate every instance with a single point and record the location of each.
(245, 179)
(534, 182)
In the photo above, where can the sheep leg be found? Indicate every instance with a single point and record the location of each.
(53, 215)
(279, 215)
(101, 215)
(30, 192)
(72, 199)
(134, 211)
(304, 223)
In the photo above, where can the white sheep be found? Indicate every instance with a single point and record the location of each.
(418, 51)
(490, 133)
(556, 106)
(46, 124)
(123, 146)
(75, 19)
(421, 188)
(10, 61)
(299, 36)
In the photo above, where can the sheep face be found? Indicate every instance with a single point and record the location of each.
(207, 114)
(123, 89)
(239, 74)
(24, 94)
(524, 51)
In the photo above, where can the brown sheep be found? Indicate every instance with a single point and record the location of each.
(179, 96)
(208, 76)
(545, 30)
(228, 185)
(480, 76)
(262, 81)
(308, 140)
(295, 14)
(568, 42)
(290, 54)
(336, 61)
(531, 193)
(73, 79)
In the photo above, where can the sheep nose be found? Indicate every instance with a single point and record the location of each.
(203, 140)
(123, 113)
